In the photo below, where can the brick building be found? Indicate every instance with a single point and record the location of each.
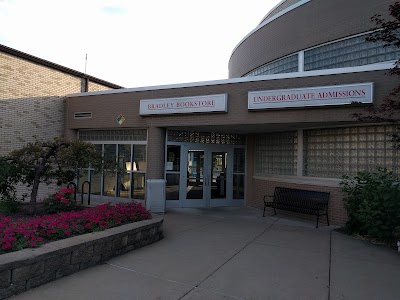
(283, 118)
(32, 94)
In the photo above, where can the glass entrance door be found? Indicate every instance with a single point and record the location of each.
(204, 175)
(219, 178)
(195, 183)
(208, 178)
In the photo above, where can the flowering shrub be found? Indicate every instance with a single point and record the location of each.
(34, 231)
(60, 201)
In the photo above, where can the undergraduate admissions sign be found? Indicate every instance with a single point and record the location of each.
(184, 105)
(313, 96)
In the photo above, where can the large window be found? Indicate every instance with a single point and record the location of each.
(124, 154)
(350, 52)
(276, 154)
(125, 174)
(284, 65)
(335, 152)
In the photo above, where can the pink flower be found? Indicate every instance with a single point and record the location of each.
(31, 232)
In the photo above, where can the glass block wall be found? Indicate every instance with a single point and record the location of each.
(276, 154)
(328, 153)
(113, 135)
(206, 137)
(332, 153)
(284, 65)
(351, 52)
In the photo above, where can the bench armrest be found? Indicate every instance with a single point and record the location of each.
(264, 199)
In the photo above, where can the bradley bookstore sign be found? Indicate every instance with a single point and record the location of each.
(313, 96)
(184, 105)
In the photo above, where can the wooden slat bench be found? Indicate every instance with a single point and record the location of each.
(302, 201)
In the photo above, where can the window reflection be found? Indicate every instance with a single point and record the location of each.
(173, 158)
(109, 172)
(95, 177)
(124, 172)
(172, 168)
(123, 178)
(195, 174)
(238, 173)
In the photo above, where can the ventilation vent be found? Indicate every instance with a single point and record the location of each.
(82, 115)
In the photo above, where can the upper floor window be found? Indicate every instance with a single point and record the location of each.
(350, 52)
(345, 53)
(284, 65)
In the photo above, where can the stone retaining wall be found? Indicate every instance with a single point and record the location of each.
(28, 268)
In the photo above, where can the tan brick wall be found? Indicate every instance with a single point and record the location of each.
(31, 106)
(20, 78)
(95, 87)
(23, 119)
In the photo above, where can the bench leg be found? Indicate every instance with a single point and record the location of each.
(327, 218)
(317, 220)
(265, 205)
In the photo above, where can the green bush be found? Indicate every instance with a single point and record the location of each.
(372, 201)
(9, 206)
(10, 175)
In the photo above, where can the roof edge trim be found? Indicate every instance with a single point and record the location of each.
(359, 69)
(269, 20)
(49, 64)
(272, 9)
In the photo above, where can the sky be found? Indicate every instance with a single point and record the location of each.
(133, 43)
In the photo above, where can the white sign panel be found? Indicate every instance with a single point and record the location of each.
(314, 96)
(184, 105)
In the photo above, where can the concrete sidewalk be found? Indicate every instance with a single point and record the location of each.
(234, 253)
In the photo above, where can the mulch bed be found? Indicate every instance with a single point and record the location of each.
(23, 212)
(374, 241)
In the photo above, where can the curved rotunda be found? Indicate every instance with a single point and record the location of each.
(310, 35)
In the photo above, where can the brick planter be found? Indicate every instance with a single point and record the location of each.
(28, 268)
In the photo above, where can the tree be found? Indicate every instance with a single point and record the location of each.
(388, 33)
(56, 160)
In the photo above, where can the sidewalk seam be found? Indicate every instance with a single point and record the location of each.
(229, 259)
(192, 287)
(148, 274)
